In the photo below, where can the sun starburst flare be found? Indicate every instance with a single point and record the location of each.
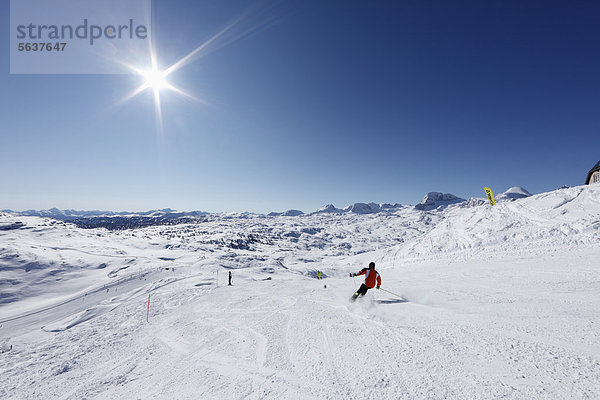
(156, 79)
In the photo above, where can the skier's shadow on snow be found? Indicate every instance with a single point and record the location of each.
(392, 301)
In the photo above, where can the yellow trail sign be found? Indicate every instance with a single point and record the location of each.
(490, 195)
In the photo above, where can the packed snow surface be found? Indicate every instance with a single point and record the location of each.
(480, 302)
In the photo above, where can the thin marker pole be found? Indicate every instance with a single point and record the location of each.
(148, 312)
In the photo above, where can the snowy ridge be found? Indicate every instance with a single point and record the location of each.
(288, 213)
(328, 208)
(513, 193)
(561, 218)
(117, 220)
(431, 201)
(461, 269)
(436, 200)
(71, 214)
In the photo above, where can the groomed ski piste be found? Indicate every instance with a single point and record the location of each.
(489, 302)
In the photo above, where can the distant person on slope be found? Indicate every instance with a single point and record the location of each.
(371, 276)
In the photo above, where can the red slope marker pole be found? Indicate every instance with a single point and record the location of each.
(148, 312)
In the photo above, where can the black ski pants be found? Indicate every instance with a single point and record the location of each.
(362, 290)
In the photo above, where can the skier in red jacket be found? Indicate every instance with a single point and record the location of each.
(371, 276)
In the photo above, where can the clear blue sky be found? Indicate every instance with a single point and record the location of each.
(331, 102)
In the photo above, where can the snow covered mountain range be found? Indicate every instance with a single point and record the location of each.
(478, 301)
(432, 200)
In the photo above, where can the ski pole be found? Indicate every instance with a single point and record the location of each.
(148, 312)
(397, 295)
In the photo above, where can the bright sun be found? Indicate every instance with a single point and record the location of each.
(155, 79)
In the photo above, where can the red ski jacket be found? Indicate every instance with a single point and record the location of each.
(371, 277)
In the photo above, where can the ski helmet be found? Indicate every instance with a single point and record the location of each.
(371, 265)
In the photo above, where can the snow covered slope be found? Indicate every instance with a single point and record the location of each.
(515, 192)
(481, 302)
